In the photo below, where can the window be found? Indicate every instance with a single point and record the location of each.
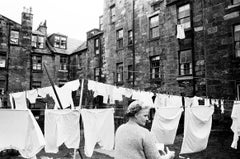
(37, 41)
(130, 72)
(154, 26)
(237, 40)
(63, 63)
(112, 14)
(57, 41)
(63, 43)
(37, 62)
(2, 86)
(155, 67)
(96, 47)
(36, 84)
(238, 91)
(119, 38)
(130, 37)
(2, 61)
(184, 16)
(96, 74)
(34, 41)
(40, 42)
(101, 23)
(185, 62)
(60, 42)
(235, 1)
(14, 37)
(1, 91)
(119, 72)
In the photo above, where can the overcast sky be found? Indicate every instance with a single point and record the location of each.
(70, 17)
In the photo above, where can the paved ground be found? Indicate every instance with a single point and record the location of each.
(218, 148)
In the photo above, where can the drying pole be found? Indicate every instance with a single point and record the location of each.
(80, 101)
(53, 87)
(80, 106)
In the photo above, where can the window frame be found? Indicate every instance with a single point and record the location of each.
(4, 59)
(60, 42)
(119, 72)
(36, 65)
(236, 41)
(185, 68)
(14, 35)
(63, 63)
(97, 46)
(154, 28)
(181, 18)
(155, 71)
(96, 73)
(130, 72)
(119, 37)
(130, 37)
(112, 13)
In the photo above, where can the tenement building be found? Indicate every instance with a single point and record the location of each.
(26, 56)
(182, 47)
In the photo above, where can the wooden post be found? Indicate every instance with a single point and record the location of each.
(53, 87)
(80, 100)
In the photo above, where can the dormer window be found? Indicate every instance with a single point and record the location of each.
(60, 42)
(37, 41)
(63, 42)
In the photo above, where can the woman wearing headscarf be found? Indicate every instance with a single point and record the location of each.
(133, 141)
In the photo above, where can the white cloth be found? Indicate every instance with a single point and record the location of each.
(98, 128)
(32, 95)
(61, 126)
(235, 123)
(44, 91)
(165, 124)
(99, 89)
(180, 32)
(160, 100)
(19, 130)
(197, 127)
(72, 85)
(20, 100)
(145, 97)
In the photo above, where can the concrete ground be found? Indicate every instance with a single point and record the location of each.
(218, 148)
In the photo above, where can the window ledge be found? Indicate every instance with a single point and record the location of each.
(187, 77)
(154, 39)
(62, 70)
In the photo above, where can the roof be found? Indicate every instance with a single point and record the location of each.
(72, 44)
(83, 46)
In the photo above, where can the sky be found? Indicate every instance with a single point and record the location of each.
(69, 17)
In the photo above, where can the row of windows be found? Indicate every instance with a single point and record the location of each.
(37, 63)
(38, 41)
(155, 70)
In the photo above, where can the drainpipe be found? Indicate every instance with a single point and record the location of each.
(133, 46)
(8, 55)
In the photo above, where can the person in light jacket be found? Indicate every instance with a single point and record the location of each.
(132, 140)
